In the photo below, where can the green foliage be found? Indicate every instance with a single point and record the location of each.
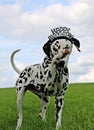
(78, 112)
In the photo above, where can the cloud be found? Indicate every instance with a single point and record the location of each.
(27, 25)
(82, 69)
(5, 75)
(88, 77)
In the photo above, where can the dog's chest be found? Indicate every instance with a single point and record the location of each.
(38, 82)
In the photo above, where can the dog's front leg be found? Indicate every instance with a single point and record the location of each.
(59, 106)
(45, 103)
(52, 71)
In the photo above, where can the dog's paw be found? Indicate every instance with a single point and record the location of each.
(18, 127)
(43, 118)
(58, 127)
(19, 123)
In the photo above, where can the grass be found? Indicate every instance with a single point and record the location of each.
(78, 112)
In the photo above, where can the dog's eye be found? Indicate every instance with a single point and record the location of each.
(55, 49)
(57, 41)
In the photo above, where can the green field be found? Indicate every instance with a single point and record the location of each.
(78, 112)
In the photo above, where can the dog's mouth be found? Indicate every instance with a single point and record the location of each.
(65, 53)
(61, 62)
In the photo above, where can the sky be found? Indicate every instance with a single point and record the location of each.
(26, 25)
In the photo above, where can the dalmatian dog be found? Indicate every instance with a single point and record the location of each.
(51, 77)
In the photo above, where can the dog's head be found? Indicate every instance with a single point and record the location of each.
(60, 41)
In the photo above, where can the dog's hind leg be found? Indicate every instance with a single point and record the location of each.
(20, 96)
(45, 103)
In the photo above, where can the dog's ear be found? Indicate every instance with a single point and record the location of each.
(76, 43)
(47, 48)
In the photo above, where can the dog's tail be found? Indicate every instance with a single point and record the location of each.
(12, 61)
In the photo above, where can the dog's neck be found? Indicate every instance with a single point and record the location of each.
(63, 62)
(66, 59)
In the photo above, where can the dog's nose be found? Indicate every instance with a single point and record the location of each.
(66, 47)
